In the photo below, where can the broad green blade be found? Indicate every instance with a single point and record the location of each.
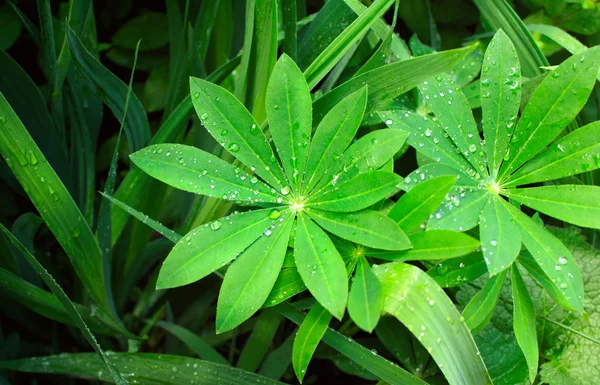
(211, 246)
(498, 14)
(461, 211)
(366, 298)
(479, 310)
(390, 81)
(333, 135)
(422, 306)
(194, 342)
(288, 284)
(357, 193)
(427, 137)
(499, 235)
(576, 204)
(113, 91)
(500, 87)
(251, 277)
(524, 322)
(66, 303)
(331, 55)
(572, 154)
(369, 228)
(53, 202)
(453, 112)
(228, 121)
(321, 266)
(371, 152)
(432, 245)
(309, 334)
(289, 110)
(142, 368)
(260, 340)
(560, 36)
(191, 169)
(554, 104)
(458, 271)
(415, 207)
(553, 257)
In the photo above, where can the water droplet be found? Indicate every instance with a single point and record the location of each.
(389, 122)
(233, 147)
(268, 232)
(254, 180)
(472, 147)
(197, 95)
(285, 190)
(493, 242)
(274, 214)
(204, 116)
(215, 225)
(562, 260)
(31, 157)
(224, 133)
(2, 119)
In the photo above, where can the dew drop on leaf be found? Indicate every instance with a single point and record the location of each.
(233, 147)
(274, 214)
(215, 225)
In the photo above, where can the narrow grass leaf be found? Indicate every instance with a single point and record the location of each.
(579, 205)
(289, 110)
(366, 297)
(333, 135)
(199, 346)
(417, 205)
(309, 335)
(211, 246)
(251, 277)
(559, 36)
(290, 19)
(554, 103)
(417, 301)
(321, 266)
(501, 78)
(260, 340)
(524, 322)
(499, 235)
(228, 121)
(479, 310)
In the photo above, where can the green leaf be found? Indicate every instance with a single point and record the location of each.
(370, 152)
(209, 247)
(194, 342)
(366, 298)
(321, 266)
(369, 228)
(458, 271)
(228, 121)
(559, 36)
(480, 308)
(113, 92)
(500, 97)
(572, 154)
(149, 27)
(190, 169)
(552, 256)
(251, 277)
(553, 105)
(575, 204)
(415, 207)
(422, 306)
(432, 244)
(434, 170)
(427, 137)
(524, 322)
(260, 340)
(453, 112)
(333, 135)
(357, 193)
(500, 238)
(309, 334)
(461, 211)
(288, 284)
(331, 55)
(290, 19)
(289, 109)
(53, 202)
(144, 368)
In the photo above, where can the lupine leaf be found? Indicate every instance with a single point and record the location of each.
(308, 337)
(458, 271)
(366, 298)
(463, 216)
(524, 322)
(480, 308)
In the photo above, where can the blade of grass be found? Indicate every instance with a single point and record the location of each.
(194, 342)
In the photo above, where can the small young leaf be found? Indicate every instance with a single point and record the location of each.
(579, 205)
(289, 109)
(308, 337)
(367, 227)
(458, 271)
(333, 135)
(209, 247)
(251, 277)
(321, 266)
(366, 298)
(228, 121)
(480, 308)
(357, 193)
(500, 238)
(288, 284)
(415, 207)
(524, 322)
(461, 211)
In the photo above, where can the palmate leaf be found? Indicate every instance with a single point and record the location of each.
(289, 109)
(190, 169)
(422, 306)
(366, 297)
(308, 337)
